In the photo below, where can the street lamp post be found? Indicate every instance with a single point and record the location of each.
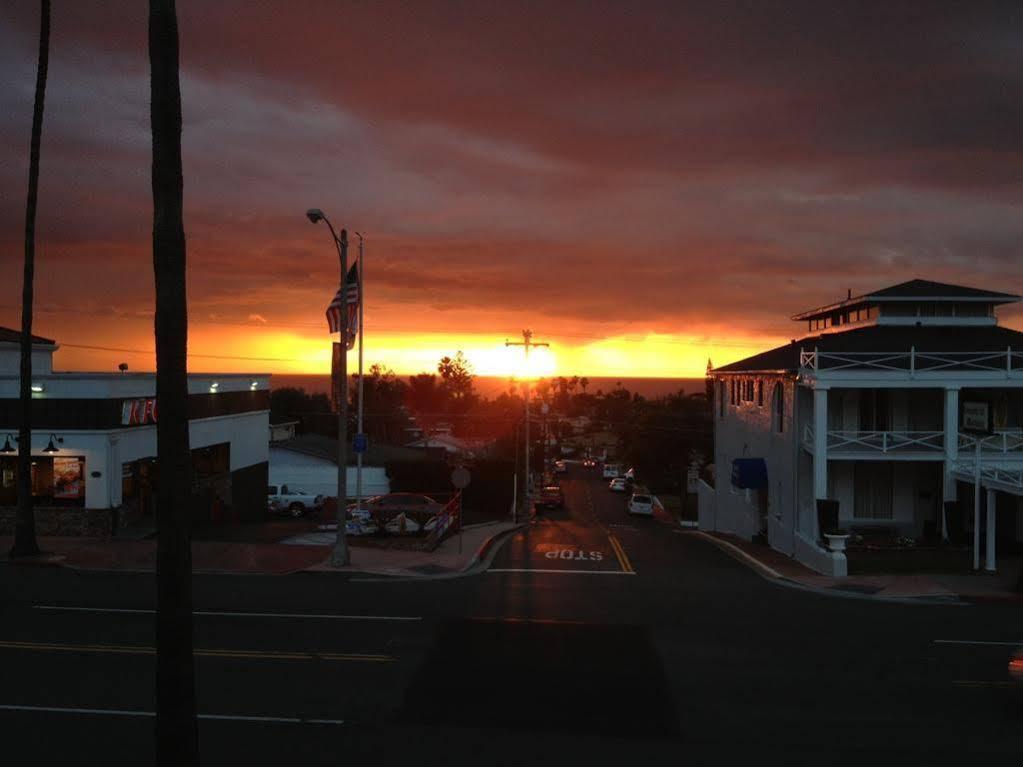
(340, 556)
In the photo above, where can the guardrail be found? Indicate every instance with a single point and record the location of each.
(989, 473)
(999, 442)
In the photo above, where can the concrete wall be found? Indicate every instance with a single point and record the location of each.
(748, 429)
(706, 514)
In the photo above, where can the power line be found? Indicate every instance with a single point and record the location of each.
(198, 356)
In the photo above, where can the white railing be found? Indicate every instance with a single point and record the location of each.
(846, 441)
(913, 361)
(886, 441)
(1002, 441)
(990, 473)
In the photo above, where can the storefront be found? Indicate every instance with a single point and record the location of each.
(94, 445)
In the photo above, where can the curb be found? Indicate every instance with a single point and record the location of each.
(770, 574)
(478, 563)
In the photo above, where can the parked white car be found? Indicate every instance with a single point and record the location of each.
(641, 503)
(612, 470)
(617, 485)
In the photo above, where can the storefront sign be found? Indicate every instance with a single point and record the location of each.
(67, 478)
(135, 412)
(976, 418)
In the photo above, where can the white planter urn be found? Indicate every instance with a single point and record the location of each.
(836, 542)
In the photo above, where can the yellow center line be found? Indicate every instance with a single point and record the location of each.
(623, 559)
(200, 652)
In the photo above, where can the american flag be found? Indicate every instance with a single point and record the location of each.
(334, 310)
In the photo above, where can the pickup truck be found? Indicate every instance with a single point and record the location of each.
(283, 499)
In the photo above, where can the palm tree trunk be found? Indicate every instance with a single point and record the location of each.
(25, 543)
(176, 733)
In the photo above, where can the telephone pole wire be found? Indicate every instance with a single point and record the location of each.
(527, 343)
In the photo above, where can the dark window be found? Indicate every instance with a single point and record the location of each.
(778, 406)
(760, 393)
(721, 398)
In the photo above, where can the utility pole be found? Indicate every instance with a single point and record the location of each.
(339, 557)
(526, 343)
(360, 431)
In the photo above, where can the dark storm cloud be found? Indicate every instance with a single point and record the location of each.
(534, 157)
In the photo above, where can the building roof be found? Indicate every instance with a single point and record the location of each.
(11, 336)
(915, 290)
(882, 339)
(325, 448)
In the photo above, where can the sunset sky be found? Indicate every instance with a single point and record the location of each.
(643, 184)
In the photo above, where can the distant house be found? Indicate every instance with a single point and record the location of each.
(870, 409)
(463, 447)
(309, 462)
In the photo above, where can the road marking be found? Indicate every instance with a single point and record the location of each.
(230, 614)
(204, 653)
(129, 712)
(1018, 643)
(623, 558)
(561, 572)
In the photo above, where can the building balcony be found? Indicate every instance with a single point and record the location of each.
(912, 363)
(915, 445)
(992, 474)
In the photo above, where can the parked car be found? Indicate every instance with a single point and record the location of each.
(384, 508)
(630, 474)
(641, 503)
(560, 467)
(612, 470)
(289, 500)
(617, 485)
(589, 463)
(551, 497)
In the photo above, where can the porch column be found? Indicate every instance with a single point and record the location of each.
(950, 492)
(989, 557)
(820, 454)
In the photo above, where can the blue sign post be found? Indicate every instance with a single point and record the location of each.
(361, 443)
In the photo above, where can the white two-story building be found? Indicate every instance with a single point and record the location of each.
(867, 410)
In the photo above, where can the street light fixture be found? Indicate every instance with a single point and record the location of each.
(7, 444)
(50, 447)
(340, 557)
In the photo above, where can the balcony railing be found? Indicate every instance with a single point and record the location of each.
(1002, 441)
(989, 473)
(842, 441)
(913, 361)
(1008, 443)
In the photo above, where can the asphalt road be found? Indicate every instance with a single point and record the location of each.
(592, 638)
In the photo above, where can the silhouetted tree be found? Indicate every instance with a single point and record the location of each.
(25, 543)
(176, 736)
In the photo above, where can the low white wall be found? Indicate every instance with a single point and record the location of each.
(820, 560)
(319, 476)
(705, 513)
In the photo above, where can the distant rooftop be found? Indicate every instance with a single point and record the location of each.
(915, 290)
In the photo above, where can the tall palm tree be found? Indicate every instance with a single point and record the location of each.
(25, 543)
(176, 736)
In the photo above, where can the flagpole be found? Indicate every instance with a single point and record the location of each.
(362, 301)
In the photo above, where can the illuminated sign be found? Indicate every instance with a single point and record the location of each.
(136, 412)
(976, 418)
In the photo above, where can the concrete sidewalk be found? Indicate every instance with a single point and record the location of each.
(965, 587)
(112, 554)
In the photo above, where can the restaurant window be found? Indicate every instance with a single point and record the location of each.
(56, 481)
